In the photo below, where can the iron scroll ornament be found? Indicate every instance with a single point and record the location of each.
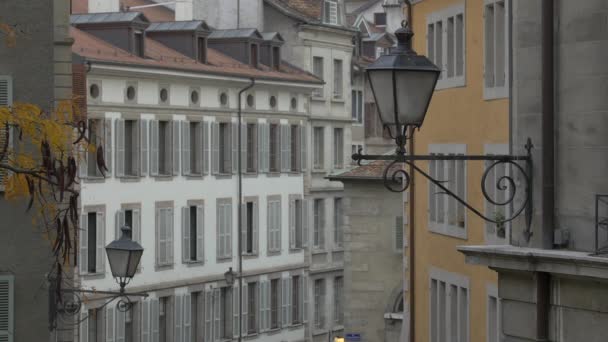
(397, 179)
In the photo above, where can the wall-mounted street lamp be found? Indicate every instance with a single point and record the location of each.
(403, 83)
(124, 256)
(230, 277)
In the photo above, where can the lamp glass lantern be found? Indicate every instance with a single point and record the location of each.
(402, 83)
(124, 255)
(230, 276)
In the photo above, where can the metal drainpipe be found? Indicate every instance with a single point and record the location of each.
(543, 279)
(239, 213)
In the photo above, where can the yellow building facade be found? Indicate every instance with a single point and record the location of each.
(468, 114)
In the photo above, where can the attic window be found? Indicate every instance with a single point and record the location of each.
(380, 19)
(331, 13)
(276, 57)
(138, 44)
(254, 56)
(201, 50)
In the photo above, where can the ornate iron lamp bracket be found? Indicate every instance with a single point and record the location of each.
(397, 179)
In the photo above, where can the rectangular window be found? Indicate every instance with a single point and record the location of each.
(202, 50)
(254, 55)
(192, 148)
(252, 308)
(338, 301)
(224, 228)
(446, 214)
(297, 224)
(94, 324)
(138, 44)
(225, 148)
(250, 231)
(380, 19)
(357, 106)
(319, 293)
(319, 223)
(274, 155)
(252, 148)
(446, 45)
(338, 222)
(296, 296)
(129, 331)
(164, 333)
(192, 233)
(96, 138)
(493, 318)
(164, 236)
(165, 148)
(338, 148)
(274, 304)
(317, 70)
(338, 79)
(449, 306)
(225, 314)
(319, 148)
(274, 225)
(495, 49)
(131, 152)
(276, 57)
(330, 12)
(92, 241)
(295, 151)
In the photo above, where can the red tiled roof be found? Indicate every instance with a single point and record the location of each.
(161, 56)
(311, 9)
(154, 14)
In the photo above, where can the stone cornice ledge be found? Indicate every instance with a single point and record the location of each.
(556, 261)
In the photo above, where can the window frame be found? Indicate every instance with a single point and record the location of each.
(443, 17)
(338, 148)
(496, 92)
(449, 280)
(224, 232)
(318, 93)
(338, 79)
(274, 224)
(318, 159)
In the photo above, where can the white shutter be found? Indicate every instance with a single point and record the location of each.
(178, 319)
(154, 151)
(216, 314)
(200, 231)
(137, 225)
(175, 145)
(304, 147)
(187, 322)
(235, 311)
(186, 167)
(107, 148)
(300, 299)
(305, 298)
(288, 298)
(305, 222)
(284, 300)
(243, 228)
(109, 324)
(256, 221)
(120, 326)
(292, 223)
(5, 336)
(7, 308)
(143, 147)
(205, 149)
(208, 316)
(261, 147)
(119, 125)
(119, 221)
(215, 147)
(145, 321)
(219, 230)
(245, 313)
(154, 320)
(169, 235)
(84, 244)
(262, 305)
(269, 226)
(158, 237)
(244, 147)
(186, 234)
(100, 253)
(234, 145)
(288, 151)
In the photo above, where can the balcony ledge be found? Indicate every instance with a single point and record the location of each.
(556, 261)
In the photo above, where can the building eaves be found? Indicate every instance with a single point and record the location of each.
(235, 33)
(102, 18)
(192, 25)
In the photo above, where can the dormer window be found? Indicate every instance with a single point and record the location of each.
(331, 12)
(276, 57)
(138, 44)
(253, 57)
(201, 50)
(380, 19)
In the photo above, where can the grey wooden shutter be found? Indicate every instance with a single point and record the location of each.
(177, 318)
(208, 316)
(205, 142)
(154, 150)
(215, 147)
(292, 223)
(175, 145)
(269, 226)
(243, 230)
(154, 331)
(399, 233)
(261, 306)
(186, 167)
(100, 252)
(288, 151)
(7, 308)
(5, 336)
(107, 132)
(187, 318)
(305, 298)
(322, 225)
(282, 141)
(109, 324)
(145, 321)
(120, 326)
(284, 293)
(119, 221)
(304, 147)
(256, 221)
(244, 147)
(219, 244)
(234, 146)
(260, 147)
(288, 314)
(119, 125)
(137, 225)
(84, 244)
(186, 234)
(157, 234)
(143, 147)
(235, 311)
(245, 312)
(169, 233)
(216, 314)
(305, 222)
(200, 231)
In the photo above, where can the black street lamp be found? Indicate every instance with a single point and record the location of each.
(403, 83)
(124, 255)
(230, 276)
